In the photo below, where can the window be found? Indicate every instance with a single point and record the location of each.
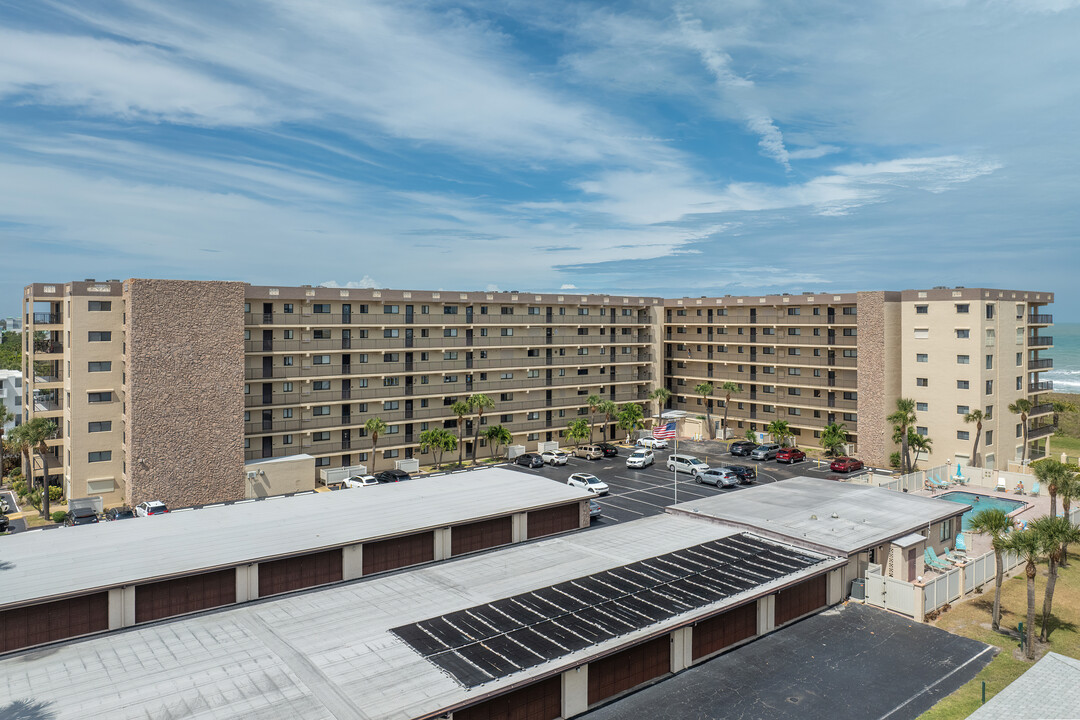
(388, 454)
(583, 351)
(99, 397)
(321, 335)
(794, 411)
(920, 430)
(286, 387)
(287, 413)
(988, 414)
(424, 310)
(989, 437)
(1019, 383)
(793, 311)
(991, 337)
(102, 426)
(288, 307)
(851, 332)
(851, 353)
(390, 333)
(287, 360)
(322, 462)
(506, 376)
(391, 309)
(99, 366)
(450, 378)
(287, 334)
(989, 362)
(321, 308)
(505, 397)
(449, 310)
(506, 418)
(851, 395)
(286, 439)
(793, 331)
(1019, 336)
(585, 311)
(963, 435)
(921, 382)
(962, 334)
(850, 311)
(962, 409)
(534, 311)
(946, 529)
(585, 331)
(391, 381)
(922, 357)
(390, 405)
(320, 410)
(449, 355)
(100, 456)
(533, 374)
(922, 309)
(990, 311)
(483, 332)
(794, 371)
(533, 416)
(322, 436)
(962, 308)
(850, 417)
(505, 310)
(506, 332)
(320, 360)
(794, 391)
(963, 359)
(449, 332)
(989, 387)
(922, 407)
(922, 333)
(768, 331)
(391, 357)
(962, 384)
(99, 305)
(99, 336)
(320, 385)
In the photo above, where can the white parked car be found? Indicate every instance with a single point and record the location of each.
(718, 477)
(150, 507)
(585, 481)
(686, 464)
(359, 481)
(653, 443)
(640, 458)
(555, 457)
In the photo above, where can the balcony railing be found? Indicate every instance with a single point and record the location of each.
(1040, 341)
(437, 320)
(1040, 319)
(47, 405)
(1041, 386)
(1042, 364)
(1041, 432)
(48, 346)
(1043, 409)
(47, 318)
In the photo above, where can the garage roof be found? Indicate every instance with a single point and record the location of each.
(330, 652)
(68, 560)
(833, 516)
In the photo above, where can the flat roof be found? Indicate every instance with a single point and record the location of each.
(329, 652)
(801, 510)
(77, 559)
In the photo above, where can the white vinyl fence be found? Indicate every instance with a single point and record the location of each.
(889, 593)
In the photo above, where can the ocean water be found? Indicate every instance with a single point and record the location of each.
(1066, 355)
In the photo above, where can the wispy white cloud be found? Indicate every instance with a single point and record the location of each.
(365, 282)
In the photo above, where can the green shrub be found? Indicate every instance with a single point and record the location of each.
(19, 486)
(55, 494)
(894, 460)
(59, 516)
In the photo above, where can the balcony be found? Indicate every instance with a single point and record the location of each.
(44, 405)
(1041, 432)
(1040, 319)
(437, 320)
(1043, 409)
(1043, 386)
(1040, 341)
(1042, 364)
(48, 347)
(47, 319)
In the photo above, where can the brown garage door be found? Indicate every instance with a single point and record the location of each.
(539, 701)
(800, 599)
(554, 520)
(278, 576)
(184, 595)
(37, 624)
(385, 555)
(481, 535)
(628, 669)
(725, 629)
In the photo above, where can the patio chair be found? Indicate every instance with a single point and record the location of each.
(961, 544)
(953, 557)
(939, 484)
(932, 560)
(1035, 489)
(1001, 484)
(946, 560)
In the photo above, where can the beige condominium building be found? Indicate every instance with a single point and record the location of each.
(815, 359)
(163, 389)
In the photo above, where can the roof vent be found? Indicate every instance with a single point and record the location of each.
(835, 516)
(941, 287)
(813, 517)
(113, 280)
(807, 292)
(89, 280)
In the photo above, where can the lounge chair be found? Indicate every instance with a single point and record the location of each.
(933, 561)
(1001, 485)
(939, 484)
(954, 558)
(945, 559)
(1035, 489)
(961, 544)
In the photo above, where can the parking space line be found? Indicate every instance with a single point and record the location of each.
(617, 507)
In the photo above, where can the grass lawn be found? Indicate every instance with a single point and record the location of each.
(972, 619)
(1064, 444)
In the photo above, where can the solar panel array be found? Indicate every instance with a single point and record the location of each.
(500, 638)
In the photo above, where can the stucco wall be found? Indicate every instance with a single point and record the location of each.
(184, 391)
(874, 444)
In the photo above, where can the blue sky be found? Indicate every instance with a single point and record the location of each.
(653, 148)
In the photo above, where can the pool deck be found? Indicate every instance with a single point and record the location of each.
(1037, 506)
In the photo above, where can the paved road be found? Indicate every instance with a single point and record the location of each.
(16, 524)
(637, 493)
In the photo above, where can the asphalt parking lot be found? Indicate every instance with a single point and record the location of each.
(636, 493)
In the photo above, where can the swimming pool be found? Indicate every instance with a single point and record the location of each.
(979, 502)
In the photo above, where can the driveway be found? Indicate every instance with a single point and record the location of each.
(851, 661)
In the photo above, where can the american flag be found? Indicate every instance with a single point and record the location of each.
(667, 432)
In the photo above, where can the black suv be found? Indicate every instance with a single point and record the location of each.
(609, 449)
(742, 447)
(81, 516)
(389, 476)
(119, 513)
(745, 474)
(529, 460)
(3, 522)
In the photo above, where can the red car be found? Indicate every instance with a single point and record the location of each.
(845, 464)
(790, 455)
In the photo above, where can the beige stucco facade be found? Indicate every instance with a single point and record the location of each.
(279, 476)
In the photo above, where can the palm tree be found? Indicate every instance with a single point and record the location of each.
(497, 435)
(903, 418)
(779, 429)
(478, 403)
(975, 416)
(728, 387)
(1051, 473)
(1055, 533)
(608, 409)
(1062, 406)
(920, 444)
(833, 437)
(578, 430)
(661, 395)
(461, 409)
(437, 440)
(1028, 544)
(593, 401)
(630, 418)
(705, 389)
(993, 522)
(750, 435)
(31, 437)
(1022, 407)
(374, 427)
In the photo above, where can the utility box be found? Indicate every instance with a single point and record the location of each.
(514, 450)
(409, 465)
(858, 589)
(547, 446)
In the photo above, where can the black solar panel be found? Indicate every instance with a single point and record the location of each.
(479, 644)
